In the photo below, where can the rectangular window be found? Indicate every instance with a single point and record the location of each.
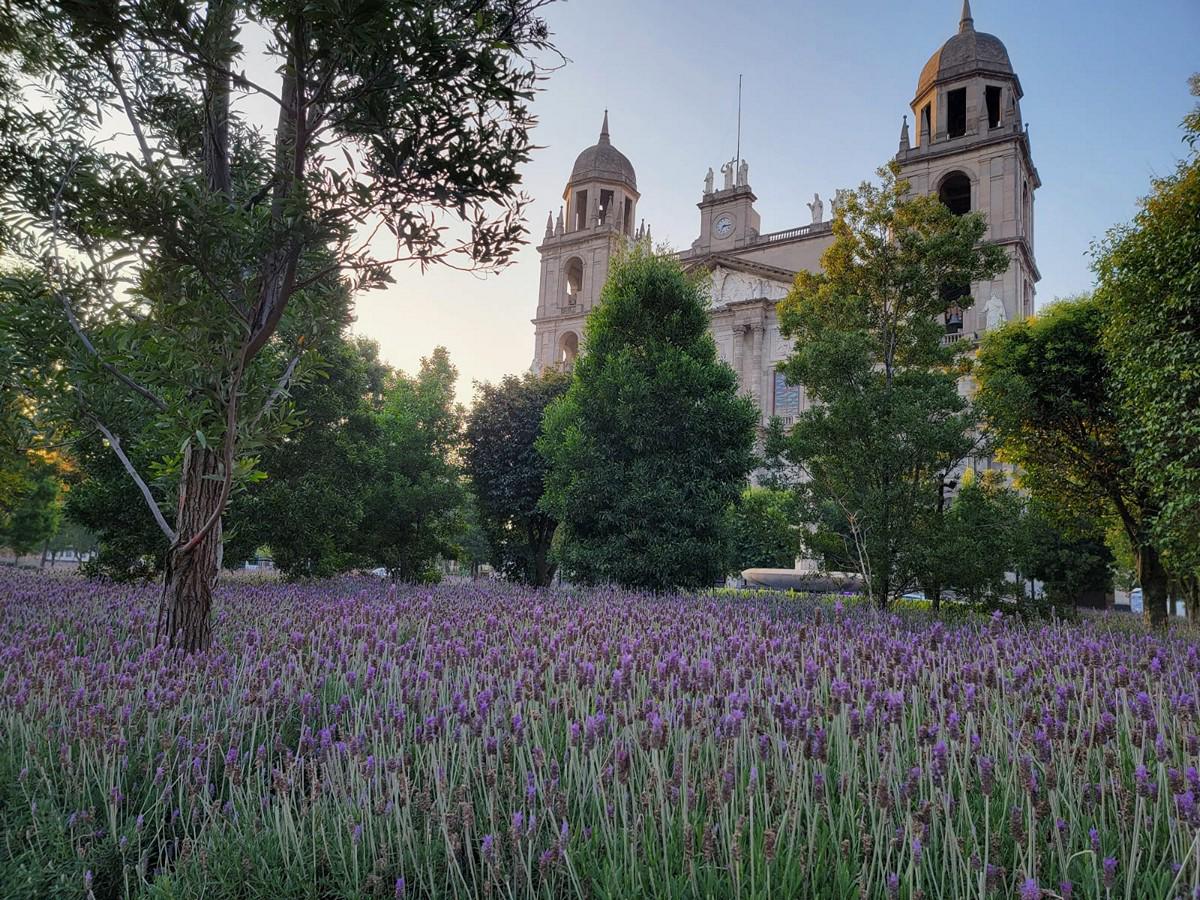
(956, 112)
(606, 206)
(787, 399)
(992, 95)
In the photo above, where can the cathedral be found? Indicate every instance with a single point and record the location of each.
(968, 146)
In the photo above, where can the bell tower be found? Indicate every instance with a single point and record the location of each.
(972, 150)
(597, 217)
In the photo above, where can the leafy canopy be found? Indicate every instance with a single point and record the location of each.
(651, 444)
(1046, 392)
(1149, 285)
(887, 422)
(507, 472)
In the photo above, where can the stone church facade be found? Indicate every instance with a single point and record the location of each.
(968, 145)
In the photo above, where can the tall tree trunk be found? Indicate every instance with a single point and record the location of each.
(1153, 579)
(540, 578)
(934, 594)
(185, 610)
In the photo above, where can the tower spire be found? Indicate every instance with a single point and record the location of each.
(966, 23)
(904, 145)
(604, 129)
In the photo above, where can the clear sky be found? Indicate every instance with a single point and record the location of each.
(825, 85)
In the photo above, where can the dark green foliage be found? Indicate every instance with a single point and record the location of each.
(106, 502)
(1149, 285)
(413, 506)
(174, 280)
(651, 444)
(888, 423)
(507, 472)
(32, 515)
(763, 530)
(310, 507)
(1075, 566)
(980, 543)
(1046, 391)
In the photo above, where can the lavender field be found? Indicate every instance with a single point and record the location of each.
(490, 741)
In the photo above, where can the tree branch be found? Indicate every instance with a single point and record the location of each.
(158, 402)
(115, 73)
(279, 389)
(115, 443)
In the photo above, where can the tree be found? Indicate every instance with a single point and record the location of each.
(70, 536)
(106, 502)
(35, 509)
(1071, 563)
(1149, 285)
(472, 546)
(160, 270)
(413, 511)
(310, 507)
(763, 533)
(1046, 391)
(651, 443)
(887, 424)
(981, 541)
(508, 474)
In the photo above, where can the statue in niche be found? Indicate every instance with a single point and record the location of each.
(727, 171)
(708, 182)
(743, 174)
(993, 314)
(817, 208)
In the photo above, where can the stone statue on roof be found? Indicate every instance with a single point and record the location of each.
(817, 208)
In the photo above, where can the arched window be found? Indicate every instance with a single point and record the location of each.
(955, 192)
(568, 350)
(573, 278)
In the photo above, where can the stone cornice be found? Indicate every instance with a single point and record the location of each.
(582, 236)
(726, 195)
(957, 146)
(726, 259)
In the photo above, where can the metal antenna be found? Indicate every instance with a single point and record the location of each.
(739, 130)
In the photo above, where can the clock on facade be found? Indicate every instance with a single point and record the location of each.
(723, 227)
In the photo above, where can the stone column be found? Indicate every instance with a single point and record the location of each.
(738, 354)
(756, 364)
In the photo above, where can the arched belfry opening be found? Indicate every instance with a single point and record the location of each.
(568, 350)
(955, 193)
(573, 280)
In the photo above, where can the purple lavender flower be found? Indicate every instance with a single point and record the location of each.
(1110, 871)
(1030, 890)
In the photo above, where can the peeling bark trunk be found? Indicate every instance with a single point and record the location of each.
(1153, 579)
(184, 615)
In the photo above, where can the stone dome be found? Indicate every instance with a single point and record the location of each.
(604, 162)
(967, 52)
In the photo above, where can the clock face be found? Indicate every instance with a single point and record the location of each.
(723, 226)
